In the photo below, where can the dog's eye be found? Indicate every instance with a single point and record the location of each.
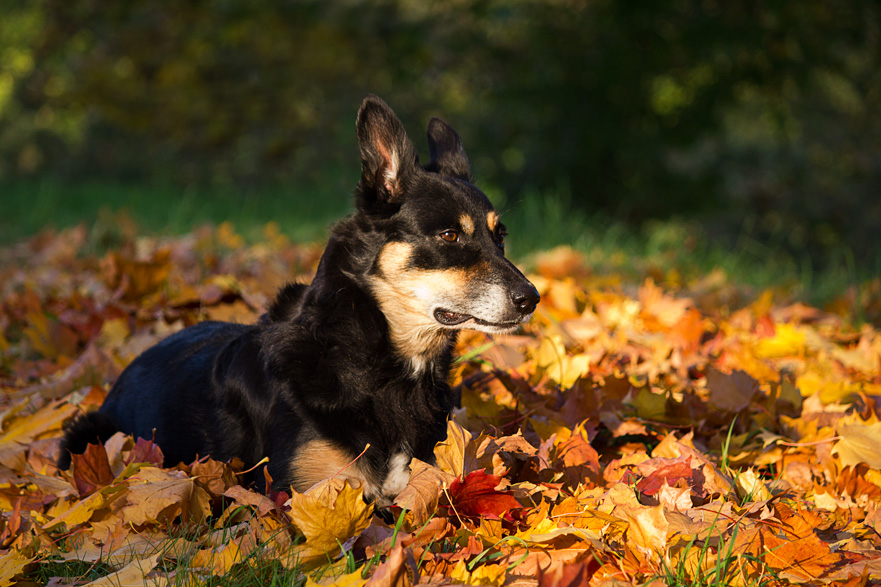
(501, 239)
(450, 236)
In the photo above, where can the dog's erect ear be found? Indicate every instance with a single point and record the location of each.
(388, 156)
(447, 154)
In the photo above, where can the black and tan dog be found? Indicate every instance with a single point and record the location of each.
(360, 356)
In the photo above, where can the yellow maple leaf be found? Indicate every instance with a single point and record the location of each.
(328, 515)
(79, 512)
(457, 454)
(828, 384)
(647, 528)
(132, 575)
(561, 367)
(751, 487)
(482, 575)
(545, 428)
(12, 564)
(859, 442)
(24, 430)
(353, 579)
(220, 559)
(788, 340)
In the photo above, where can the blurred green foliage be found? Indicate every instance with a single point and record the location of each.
(756, 119)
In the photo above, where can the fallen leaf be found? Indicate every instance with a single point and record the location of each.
(78, 513)
(91, 470)
(242, 496)
(787, 340)
(482, 575)
(353, 579)
(476, 496)
(328, 515)
(11, 564)
(660, 471)
(560, 366)
(155, 496)
(571, 575)
(398, 570)
(648, 528)
(859, 442)
(132, 575)
(146, 451)
(457, 454)
(730, 392)
(15, 439)
(420, 496)
(800, 560)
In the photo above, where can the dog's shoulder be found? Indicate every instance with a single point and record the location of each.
(287, 303)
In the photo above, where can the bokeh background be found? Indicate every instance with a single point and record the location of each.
(749, 126)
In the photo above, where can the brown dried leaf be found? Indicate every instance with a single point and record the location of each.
(420, 496)
(155, 496)
(398, 570)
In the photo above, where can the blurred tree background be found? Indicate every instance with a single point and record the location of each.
(756, 117)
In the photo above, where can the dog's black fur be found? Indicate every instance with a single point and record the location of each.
(360, 356)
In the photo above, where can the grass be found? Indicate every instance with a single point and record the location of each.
(303, 211)
(673, 251)
(260, 567)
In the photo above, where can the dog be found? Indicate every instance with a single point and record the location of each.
(359, 358)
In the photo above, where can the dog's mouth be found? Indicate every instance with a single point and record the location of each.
(448, 318)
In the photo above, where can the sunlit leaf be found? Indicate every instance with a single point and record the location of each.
(328, 515)
(860, 442)
(476, 496)
(457, 454)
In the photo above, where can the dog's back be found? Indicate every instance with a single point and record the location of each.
(175, 373)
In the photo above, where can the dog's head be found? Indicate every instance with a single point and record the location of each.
(441, 263)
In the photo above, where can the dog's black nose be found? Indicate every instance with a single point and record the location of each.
(525, 297)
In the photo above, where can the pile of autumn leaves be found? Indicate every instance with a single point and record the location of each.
(627, 435)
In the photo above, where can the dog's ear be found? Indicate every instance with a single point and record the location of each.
(447, 154)
(388, 157)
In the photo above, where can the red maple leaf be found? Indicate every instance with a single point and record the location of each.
(476, 497)
(91, 470)
(146, 451)
(670, 473)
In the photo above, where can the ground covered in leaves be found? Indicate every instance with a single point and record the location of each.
(630, 434)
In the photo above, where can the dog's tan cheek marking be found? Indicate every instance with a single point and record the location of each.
(492, 219)
(394, 257)
(467, 224)
(319, 459)
(446, 281)
(404, 294)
